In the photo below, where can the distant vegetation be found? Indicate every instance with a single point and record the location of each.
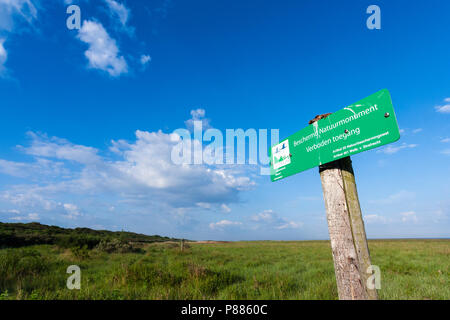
(26, 234)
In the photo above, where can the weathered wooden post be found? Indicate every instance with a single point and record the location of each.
(329, 142)
(182, 245)
(346, 228)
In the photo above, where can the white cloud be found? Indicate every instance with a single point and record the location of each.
(3, 56)
(396, 148)
(43, 146)
(139, 178)
(198, 115)
(203, 205)
(16, 169)
(409, 216)
(445, 151)
(444, 108)
(440, 215)
(265, 216)
(145, 59)
(27, 198)
(414, 131)
(37, 169)
(374, 218)
(401, 196)
(119, 10)
(224, 224)
(12, 14)
(140, 173)
(29, 217)
(32, 198)
(289, 225)
(11, 10)
(270, 219)
(72, 210)
(103, 53)
(148, 162)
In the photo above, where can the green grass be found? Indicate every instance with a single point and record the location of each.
(410, 269)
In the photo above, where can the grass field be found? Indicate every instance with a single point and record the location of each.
(410, 269)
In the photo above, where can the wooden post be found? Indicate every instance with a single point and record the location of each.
(346, 228)
(182, 245)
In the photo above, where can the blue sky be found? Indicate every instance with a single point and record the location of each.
(87, 115)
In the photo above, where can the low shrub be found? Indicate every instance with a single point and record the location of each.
(80, 252)
(117, 246)
(19, 266)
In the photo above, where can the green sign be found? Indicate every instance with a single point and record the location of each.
(367, 124)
